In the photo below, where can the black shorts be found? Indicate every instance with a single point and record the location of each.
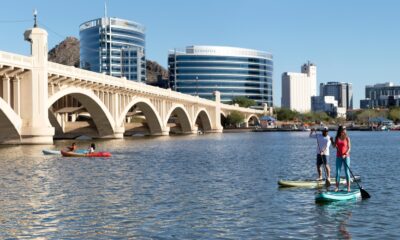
(321, 159)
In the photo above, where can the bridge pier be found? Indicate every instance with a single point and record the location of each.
(37, 135)
(36, 127)
(6, 89)
(164, 132)
(118, 134)
(217, 130)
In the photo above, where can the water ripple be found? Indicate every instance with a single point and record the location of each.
(195, 187)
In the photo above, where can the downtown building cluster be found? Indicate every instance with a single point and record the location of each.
(384, 95)
(299, 93)
(117, 47)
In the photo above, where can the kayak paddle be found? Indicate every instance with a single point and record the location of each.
(364, 194)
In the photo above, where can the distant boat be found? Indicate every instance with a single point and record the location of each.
(303, 128)
(84, 137)
(138, 135)
(51, 152)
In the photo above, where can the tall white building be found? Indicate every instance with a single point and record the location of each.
(298, 88)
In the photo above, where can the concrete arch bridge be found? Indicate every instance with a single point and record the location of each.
(41, 100)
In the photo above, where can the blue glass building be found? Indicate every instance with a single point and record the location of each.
(201, 70)
(113, 46)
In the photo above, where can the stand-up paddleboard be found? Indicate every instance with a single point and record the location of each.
(94, 154)
(308, 183)
(332, 196)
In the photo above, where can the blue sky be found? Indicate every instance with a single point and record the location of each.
(351, 41)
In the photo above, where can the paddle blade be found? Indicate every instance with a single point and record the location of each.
(327, 183)
(364, 194)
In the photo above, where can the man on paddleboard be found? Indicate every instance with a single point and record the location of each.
(323, 144)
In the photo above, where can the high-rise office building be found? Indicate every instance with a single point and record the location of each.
(298, 88)
(201, 70)
(381, 96)
(113, 46)
(343, 93)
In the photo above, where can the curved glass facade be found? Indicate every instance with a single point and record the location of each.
(201, 70)
(113, 46)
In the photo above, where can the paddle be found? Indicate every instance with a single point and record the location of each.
(364, 194)
(327, 181)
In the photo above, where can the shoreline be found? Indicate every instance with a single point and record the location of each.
(238, 130)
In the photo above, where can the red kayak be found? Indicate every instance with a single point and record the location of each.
(94, 154)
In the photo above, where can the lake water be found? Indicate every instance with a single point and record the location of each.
(215, 186)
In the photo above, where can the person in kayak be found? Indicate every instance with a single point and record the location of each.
(72, 148)
(323, 144)
(92, 148)
(343, 146)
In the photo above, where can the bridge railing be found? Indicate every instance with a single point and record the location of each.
(240, 109)
(106, 80)
(15, 60)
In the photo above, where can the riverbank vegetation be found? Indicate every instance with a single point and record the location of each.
(235, 118)
(360, 116)
(244, 102)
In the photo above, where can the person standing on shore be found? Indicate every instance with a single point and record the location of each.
(343, 146)
(323, 144)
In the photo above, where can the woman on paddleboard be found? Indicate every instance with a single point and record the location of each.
(343, 146)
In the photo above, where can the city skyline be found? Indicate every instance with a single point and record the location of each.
(343, 39)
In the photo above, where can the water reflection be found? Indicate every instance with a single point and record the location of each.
(337, 214)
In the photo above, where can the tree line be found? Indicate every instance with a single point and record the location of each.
(361, 116)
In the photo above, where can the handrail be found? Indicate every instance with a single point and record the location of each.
(16, 60)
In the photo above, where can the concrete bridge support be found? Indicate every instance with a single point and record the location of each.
(36, 127)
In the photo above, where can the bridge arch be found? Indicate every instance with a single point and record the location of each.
(182, 115)
(10, 123)
(204, 117)
(223, 119)
(149, 111)
(102, 118)
(254, 117)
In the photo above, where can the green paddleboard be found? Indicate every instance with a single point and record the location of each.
(332, 196)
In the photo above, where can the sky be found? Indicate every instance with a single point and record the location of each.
(354, 41)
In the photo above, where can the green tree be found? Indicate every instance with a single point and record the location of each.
(235, 118)
(284, 114)
(307, 117)
(364, 115)
(322, 116)
(394, 114)
(244, 101)
(315, 117)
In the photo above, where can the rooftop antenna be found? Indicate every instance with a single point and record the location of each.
(35, 18)
(105, 9)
